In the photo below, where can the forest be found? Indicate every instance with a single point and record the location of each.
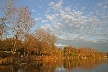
(18, 40)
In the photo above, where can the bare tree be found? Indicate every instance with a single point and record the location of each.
(5, 8)
(21, 21)
(45, 36)
(18, 20)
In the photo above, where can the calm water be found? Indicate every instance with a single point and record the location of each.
(93, 65)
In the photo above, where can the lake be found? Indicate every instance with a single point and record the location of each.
(61, 65)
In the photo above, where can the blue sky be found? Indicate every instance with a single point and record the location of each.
(85, 20)
(71, 19)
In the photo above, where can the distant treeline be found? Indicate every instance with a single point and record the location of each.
(83, 53)
(45, 47)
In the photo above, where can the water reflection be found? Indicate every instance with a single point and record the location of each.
(84, 64)
(62, 65)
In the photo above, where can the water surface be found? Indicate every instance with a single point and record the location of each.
(62, 65)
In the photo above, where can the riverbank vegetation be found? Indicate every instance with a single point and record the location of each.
(18, 40)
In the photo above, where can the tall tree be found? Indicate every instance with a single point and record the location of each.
(5, 7)
(32, 44)
(46, 40)
(21, 22)
(45, 36)
(18, 21)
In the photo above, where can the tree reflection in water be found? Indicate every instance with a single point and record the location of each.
(84, 64)
(53, 65)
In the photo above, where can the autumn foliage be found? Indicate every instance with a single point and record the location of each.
(16, 37)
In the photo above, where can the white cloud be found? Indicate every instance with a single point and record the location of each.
(40, 6)
(51, 3)
(51, 17)
(58, 6)
(33, 10)
(60, 45)
(69, 23)
(39, 18)
(43, 21)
